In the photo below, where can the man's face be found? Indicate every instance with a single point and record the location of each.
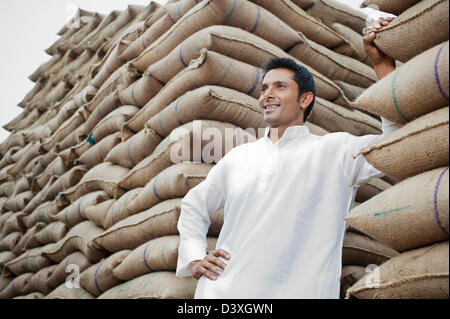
(279, 99)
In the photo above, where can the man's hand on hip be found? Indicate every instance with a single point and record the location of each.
(211, 266)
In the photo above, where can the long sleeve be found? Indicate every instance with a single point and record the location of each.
(355, 167)
(201, 201)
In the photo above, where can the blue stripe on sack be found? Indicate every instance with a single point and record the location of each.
(155, 191)
(257, 20)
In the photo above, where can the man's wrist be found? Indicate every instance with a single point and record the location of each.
(383, 69)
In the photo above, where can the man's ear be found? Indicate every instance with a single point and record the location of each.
(306, 99)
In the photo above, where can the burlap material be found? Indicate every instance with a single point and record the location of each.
(370, 189)
(85, 95)
(173, 182)
(63, 292)
(141, 91)
(417, 274)
(350, 275)
(36, 75)
(351, 91)
(4, 281)
(76, 212)
(71, 140)
(39, 281)
(110, 103)
(98, 213)
(99, 277)
(156, 255)
(63, 269)
(157, 285)
(10, 241)
(391, 6)
(179, 8)
(212, 140)
(137, 229)
(304, 4)
(97, 153)
(16, 287)
(68, 57)
(360, 250)
(411, 214)
(28, 241)
(23, 184)
(65, 181)
(418, 87)
(14, 223)
(118, 209)
(333, 65)
(417, 147)
(18, 202)
(73, 66)
(33, 295)
(44, 213)
(34, 149)
(105, 176)
(111, 62)
(217, 12)
(77, 239)
(64, 113)
(7, 157)
(211, 103)
(14, 139)
(430, 21)
(30, 261)
(130, 152)
(56, 168)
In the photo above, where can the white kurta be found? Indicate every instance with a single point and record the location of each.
(284, 207)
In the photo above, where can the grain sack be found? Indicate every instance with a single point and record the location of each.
(370, 189)
(304, 4)
(349, 276)
(30, 261)
(18, 202)
(14, 223)
(360, 250)
(55, 95)
(64, 292)
(76, 212)
(356, 39)
(33, 295)
(156, 285)
(217, 12)
(156, 255)
(417, 147)
(10, 241)
(64, 113)
(6, 159)
(99, 277)
(430, 21)
(351, 91)
(417, 274)
(7, 188)
(173, 182)
(390, 6)
(98, 213)
(14, 139)
(4, 176)
(97, 153)
(85, 95)
(66, 59)
(33, 151)
(118, 209)
(212, 140)
(22, 185)
(65, 181)
(4, 282)
(36, 75)
(28, 241)
(418, 87)
(133, 231)
(66, 267)
(39, 281)
(411, 214)
(74, 138)
(179, 8)
(79, 238)
(105, 176)
(333, 65)
(51, 233)
(141, 91)
(134, 149)
(56, 168)
(111, 62)
(212, 103)
(44, 213)
(16, 287)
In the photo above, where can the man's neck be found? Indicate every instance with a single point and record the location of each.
(275, 133)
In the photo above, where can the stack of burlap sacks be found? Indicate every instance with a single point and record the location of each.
(134, 108)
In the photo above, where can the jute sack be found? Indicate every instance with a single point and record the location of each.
(64, 292)
(4, 281)
(73, 139)
(14, 223)
(198, 141)
(98, 213)
(411, 214)
(360, 250)
(56, 168)
(22, 116)
(14, 139)
(304, 4)
(42, 213)
(36, 75)
(135, 149)
(90, 26)
(18, 202)
(333, 65)
(68, 57)
(31, 152)
(79, 238)
(156, 285)
(155, 255)
(7, 158)
(370, 189)
(7, 188)
(141, 91)
(39, 281)
(29, 96)
(65, 181)
(133, 231)
(73, 66)
(22, 185)
(33, 295)
(111, 62)
(30, 261)
(217, 12)
(351, 91)
(10, 241)
(430, 21)
(178, 9)
(76, 212)
(390, 6)
(99, 277)
(350, 275)
(98, 152)
(417, 274)
(74, 262)
(64, 113)
(4, 217)
(418, 87)
(110, 103)
(16, 287)
(356, 39)
(4, 176)
(147, 38)
(105, 176)
(28, 241)
(335, 118)
(51, 233)
(85, 95)
(311, 27)
(417, 147)
(331, 11)
(173, 182)
(210, 103)
(118, 210)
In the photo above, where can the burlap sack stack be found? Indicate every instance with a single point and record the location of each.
(131, 112)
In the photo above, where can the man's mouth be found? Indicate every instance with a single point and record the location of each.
(271, 106)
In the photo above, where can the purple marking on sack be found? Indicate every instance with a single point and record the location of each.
(436, 73)
(256, 81)
(99, 112)
(95, 277)
(181, 55)
(129, 155)
(154, 190)
(176, 110)
(112, 215)
(143, 43)
(257, 20)
(238, 134)
(436, 211)
(145, 257)
(133, 96)
(107, 69)
(79, 208)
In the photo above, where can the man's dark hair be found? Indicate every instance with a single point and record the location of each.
(302, 76)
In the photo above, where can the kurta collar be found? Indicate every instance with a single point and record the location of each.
(291, 133)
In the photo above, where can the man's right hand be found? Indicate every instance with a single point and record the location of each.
(211, 263)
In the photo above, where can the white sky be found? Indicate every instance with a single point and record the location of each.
(27, 28)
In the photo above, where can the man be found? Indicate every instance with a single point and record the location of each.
(283, 214)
